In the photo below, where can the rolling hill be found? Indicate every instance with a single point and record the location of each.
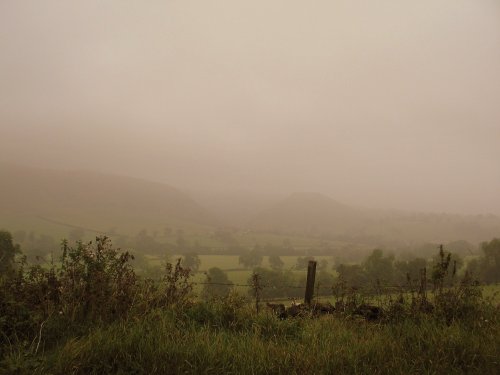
(307, 212)
(318, 215)
(30, 197)
(54, 201)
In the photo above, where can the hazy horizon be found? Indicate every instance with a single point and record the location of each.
(393, 104)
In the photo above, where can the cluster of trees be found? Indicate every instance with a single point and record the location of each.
(487, 267)
(386, 270)
(217, 284)
(252, 258)
(8, 252)
(278, 283)
(231, 246)
(255, 257)
(150, 243)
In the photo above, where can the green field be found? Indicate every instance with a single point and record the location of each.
(230, 262)
(236, 273)
(241, 276)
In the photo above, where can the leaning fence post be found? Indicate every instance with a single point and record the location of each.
(256, 290)
(311, 277)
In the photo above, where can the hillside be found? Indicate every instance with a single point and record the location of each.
(30, 196)
(311, 213)
(318, 215)
(54, 201)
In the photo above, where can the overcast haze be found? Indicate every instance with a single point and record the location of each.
(392, 104)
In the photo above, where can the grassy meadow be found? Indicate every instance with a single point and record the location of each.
(207, 339)
(91, 313)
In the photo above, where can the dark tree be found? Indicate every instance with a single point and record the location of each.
(352, 275)
(252, 258)
(7, 252)
(379, 267)
(410, 268)
(217, 284)
(487, 268)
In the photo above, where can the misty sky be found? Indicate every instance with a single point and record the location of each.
(387, 103)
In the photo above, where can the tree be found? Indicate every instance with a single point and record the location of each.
(325, 281)
(489, 264)
(278, 283)
(410, 268)
(252, 258)
(7, 252)
(353, 275)
(378, 267)
(217, 284)
(445, 267)
(275, 262)
(191, 261)
(461, 247)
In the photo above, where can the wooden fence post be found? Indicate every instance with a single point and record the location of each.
(256, 290)
(311, 277)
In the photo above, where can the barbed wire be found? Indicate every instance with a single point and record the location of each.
(279, 286)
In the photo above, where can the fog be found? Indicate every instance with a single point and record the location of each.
(384, 104)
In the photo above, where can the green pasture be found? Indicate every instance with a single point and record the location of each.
(230, 263)
(492, 292)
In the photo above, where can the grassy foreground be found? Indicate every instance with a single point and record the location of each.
(217, 338)
(91, 314)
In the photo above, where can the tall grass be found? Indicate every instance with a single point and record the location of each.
(175, 342)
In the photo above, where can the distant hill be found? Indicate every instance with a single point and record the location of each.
(94, 200)
(54, 201)
(318, 215)
(307, 212)
(235, 208)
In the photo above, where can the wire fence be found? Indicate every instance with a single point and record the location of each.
(271, 292)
